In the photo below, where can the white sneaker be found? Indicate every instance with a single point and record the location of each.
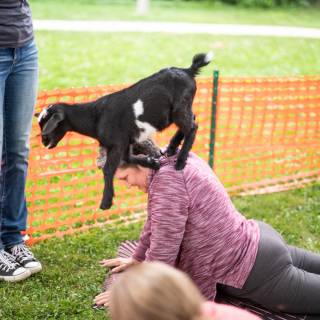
(22, 254)
(10, 270)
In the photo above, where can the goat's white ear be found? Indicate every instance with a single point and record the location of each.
(53, 122)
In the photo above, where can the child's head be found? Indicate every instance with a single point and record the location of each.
(159, 292)
(155, 291)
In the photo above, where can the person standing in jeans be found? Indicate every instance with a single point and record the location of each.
(18, 89)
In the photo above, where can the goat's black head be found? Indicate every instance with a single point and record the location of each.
(53, 125)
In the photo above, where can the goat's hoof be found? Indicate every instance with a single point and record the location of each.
(156, 165)
(105, 205)
(153, 163)
(180, 165)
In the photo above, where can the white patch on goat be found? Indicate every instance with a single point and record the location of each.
(43, 113)
(146, 129)
(138, 108)
(208, 57)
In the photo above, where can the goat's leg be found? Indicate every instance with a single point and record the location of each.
(142, 160)
(185, 120)
(186, 147)
(174, 143)
(102, 157)
(109, 169)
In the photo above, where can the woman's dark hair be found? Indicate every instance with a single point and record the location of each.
(147, 147)
(144, 148)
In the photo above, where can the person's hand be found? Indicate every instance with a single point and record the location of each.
(102, 299)
(118, 264)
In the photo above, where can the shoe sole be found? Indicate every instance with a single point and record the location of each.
(17, 278)
(35, 269)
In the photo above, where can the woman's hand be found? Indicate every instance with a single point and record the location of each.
(102, 299)
(119, 264)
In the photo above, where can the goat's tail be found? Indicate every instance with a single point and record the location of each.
(199, 60)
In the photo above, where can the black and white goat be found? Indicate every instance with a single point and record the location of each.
(131, 115)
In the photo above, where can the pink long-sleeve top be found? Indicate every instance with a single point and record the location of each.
(193, 225)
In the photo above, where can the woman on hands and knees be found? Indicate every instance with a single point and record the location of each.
(193, 226)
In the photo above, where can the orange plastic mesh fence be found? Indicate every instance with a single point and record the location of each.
(267, 136)
(267, 133)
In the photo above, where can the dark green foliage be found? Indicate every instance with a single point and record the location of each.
(267, 3)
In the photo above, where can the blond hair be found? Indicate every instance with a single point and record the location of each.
(155, 291)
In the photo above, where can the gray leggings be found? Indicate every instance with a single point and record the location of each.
(283, 278)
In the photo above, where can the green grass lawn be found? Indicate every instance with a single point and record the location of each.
(71, 59)
(89, 59)
(72, 275)
(191, 11)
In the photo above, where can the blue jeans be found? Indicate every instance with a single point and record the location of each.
(18, 90)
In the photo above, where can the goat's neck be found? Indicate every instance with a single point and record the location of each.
(82, 119)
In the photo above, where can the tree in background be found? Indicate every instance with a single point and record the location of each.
(142, 7)
(264, 3)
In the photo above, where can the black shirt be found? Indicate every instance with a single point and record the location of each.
(15, 23)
